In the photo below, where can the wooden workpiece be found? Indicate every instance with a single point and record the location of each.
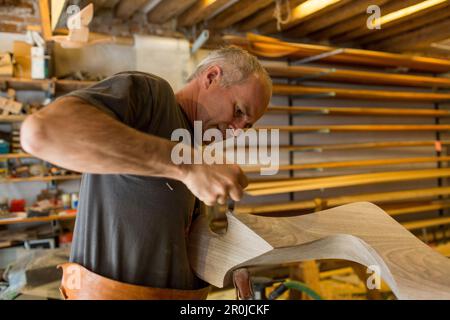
(359, 232)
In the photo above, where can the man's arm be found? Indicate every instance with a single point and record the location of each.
(76, 135)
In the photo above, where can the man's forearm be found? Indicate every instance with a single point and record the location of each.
(75, 135)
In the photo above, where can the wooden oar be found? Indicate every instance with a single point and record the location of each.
(323, 203)
(365, 145)
(303, 184)
(361, 111)
(351, 164)
(360, 94)
(410, 208)
(360, 127)
(356, 76)
(273, 48)
(420, 224)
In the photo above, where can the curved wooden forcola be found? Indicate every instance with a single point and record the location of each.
(360, 232)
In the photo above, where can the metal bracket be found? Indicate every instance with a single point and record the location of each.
(200, 41)
(319, 56)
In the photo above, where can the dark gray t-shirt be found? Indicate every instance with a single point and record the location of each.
(134, 228)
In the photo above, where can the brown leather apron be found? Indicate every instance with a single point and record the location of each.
(78, 283)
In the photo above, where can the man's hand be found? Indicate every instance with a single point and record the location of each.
(215, 183)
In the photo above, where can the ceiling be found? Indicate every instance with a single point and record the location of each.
(420, 26)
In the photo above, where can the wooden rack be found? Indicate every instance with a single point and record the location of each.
(43, 85)
(273, 48)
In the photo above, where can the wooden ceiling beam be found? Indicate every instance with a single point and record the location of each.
(237, 12)
(299, 14)
(360, 20)
(417, 39)
(415, 23)
(44, 11)
(168, 9)
(264, 16)
(345, 12)
(201, 10)
(126, 8)
(361, 32)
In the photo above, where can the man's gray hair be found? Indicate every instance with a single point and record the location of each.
(237, 65)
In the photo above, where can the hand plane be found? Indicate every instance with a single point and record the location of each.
(218, 222)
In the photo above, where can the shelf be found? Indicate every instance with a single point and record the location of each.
(37, 179)
(15, 156)
(45, 85)
(12, 118)
(68, 216)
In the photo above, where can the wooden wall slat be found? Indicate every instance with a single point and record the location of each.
(168, 9)
(200, 11)
(237, 12)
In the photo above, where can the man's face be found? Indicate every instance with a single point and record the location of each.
(233, 107)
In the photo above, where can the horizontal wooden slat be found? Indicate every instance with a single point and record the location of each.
(378, 198)
(361, 94)
(352, 163)
(419, 224)
(361, 111)
(356, 76)
(295, 185)
(365, 145)
(360, 127)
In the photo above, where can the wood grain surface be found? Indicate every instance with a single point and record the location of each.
(359, 232)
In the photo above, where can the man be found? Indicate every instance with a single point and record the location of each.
(135, 204)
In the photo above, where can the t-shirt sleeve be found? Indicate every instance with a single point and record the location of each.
(128, 97)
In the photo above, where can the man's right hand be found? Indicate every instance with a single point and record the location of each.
(215, 183)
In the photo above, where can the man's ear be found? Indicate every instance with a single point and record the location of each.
(212, 74)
